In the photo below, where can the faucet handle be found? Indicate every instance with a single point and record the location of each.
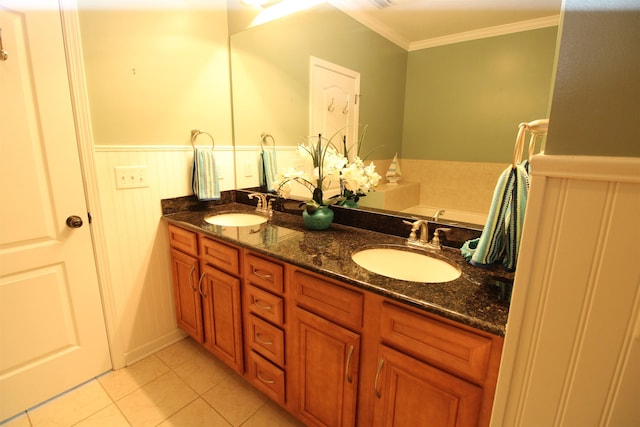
(436, 235)
(270, 206)
(414, 227)
(259, 196)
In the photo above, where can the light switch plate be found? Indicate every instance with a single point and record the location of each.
(131, 177)
(248, 169)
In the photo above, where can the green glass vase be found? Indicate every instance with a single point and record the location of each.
(320, 219)
(350, 203)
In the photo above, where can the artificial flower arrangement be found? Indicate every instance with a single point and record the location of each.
(357, 179)
(330, 166)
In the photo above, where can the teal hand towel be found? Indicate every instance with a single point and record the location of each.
(267, 169)
(468, 248)
(500, 239)
(205, 177)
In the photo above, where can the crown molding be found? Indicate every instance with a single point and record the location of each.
(498, 30)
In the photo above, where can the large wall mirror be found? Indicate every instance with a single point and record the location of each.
(450, 112)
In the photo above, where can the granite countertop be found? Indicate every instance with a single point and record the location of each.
(476, 298)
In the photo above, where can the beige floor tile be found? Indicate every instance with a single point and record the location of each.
(109, 416)
(18, 421)
(235, 399)
(195, 365)
(272, 415)
(180, 352)
(197, 414)
(71, 407)
(123, 381)
(156, 401)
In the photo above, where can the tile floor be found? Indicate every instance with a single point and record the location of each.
(181, 385)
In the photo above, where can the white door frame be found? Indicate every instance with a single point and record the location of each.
(80, 102)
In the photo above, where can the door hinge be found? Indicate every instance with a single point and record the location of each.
(355, 100)
(89, 217)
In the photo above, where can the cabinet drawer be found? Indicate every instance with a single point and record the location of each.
(453, 349)
(264, 273)
(265, 339)
(266, 377)
(331, 301)
(268, 306)
(220, 255)
(183, 240)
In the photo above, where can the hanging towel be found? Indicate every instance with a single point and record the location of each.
(204, 179)
(267, 168)
(500, 238)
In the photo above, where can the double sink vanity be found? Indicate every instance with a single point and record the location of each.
(323, 323)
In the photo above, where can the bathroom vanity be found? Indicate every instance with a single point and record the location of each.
(331, 342)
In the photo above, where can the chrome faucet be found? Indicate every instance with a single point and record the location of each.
(264, 207)
(423, 241)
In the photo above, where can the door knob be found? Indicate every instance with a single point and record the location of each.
(74, 221)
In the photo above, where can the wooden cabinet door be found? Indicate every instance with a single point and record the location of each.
(413, 393)
(327, 363)
(222, 316)
(187, 297)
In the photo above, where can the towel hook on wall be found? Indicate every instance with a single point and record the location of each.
(194, 135)
(330, 108)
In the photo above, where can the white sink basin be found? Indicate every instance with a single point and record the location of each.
(406, 265)
(236, 219)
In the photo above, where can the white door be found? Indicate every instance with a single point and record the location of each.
(334, 101)
(52, 331)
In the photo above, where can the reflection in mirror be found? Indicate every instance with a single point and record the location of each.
(450, 112)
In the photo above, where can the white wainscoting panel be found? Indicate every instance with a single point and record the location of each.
(137, 241)
(287, 157)
(572, 348)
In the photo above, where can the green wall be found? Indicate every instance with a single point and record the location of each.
(270, 76)
(464, 101)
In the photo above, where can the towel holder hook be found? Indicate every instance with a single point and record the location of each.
(194, 135)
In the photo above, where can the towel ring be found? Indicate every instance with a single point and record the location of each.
(194, 135)
(263, 140)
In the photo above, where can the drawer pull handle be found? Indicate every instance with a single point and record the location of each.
(265, 380)
(262, 274)
(256, 302)
(200, 286)
(348, 367)
(193, 288)
(375, 386)
(261, 341)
